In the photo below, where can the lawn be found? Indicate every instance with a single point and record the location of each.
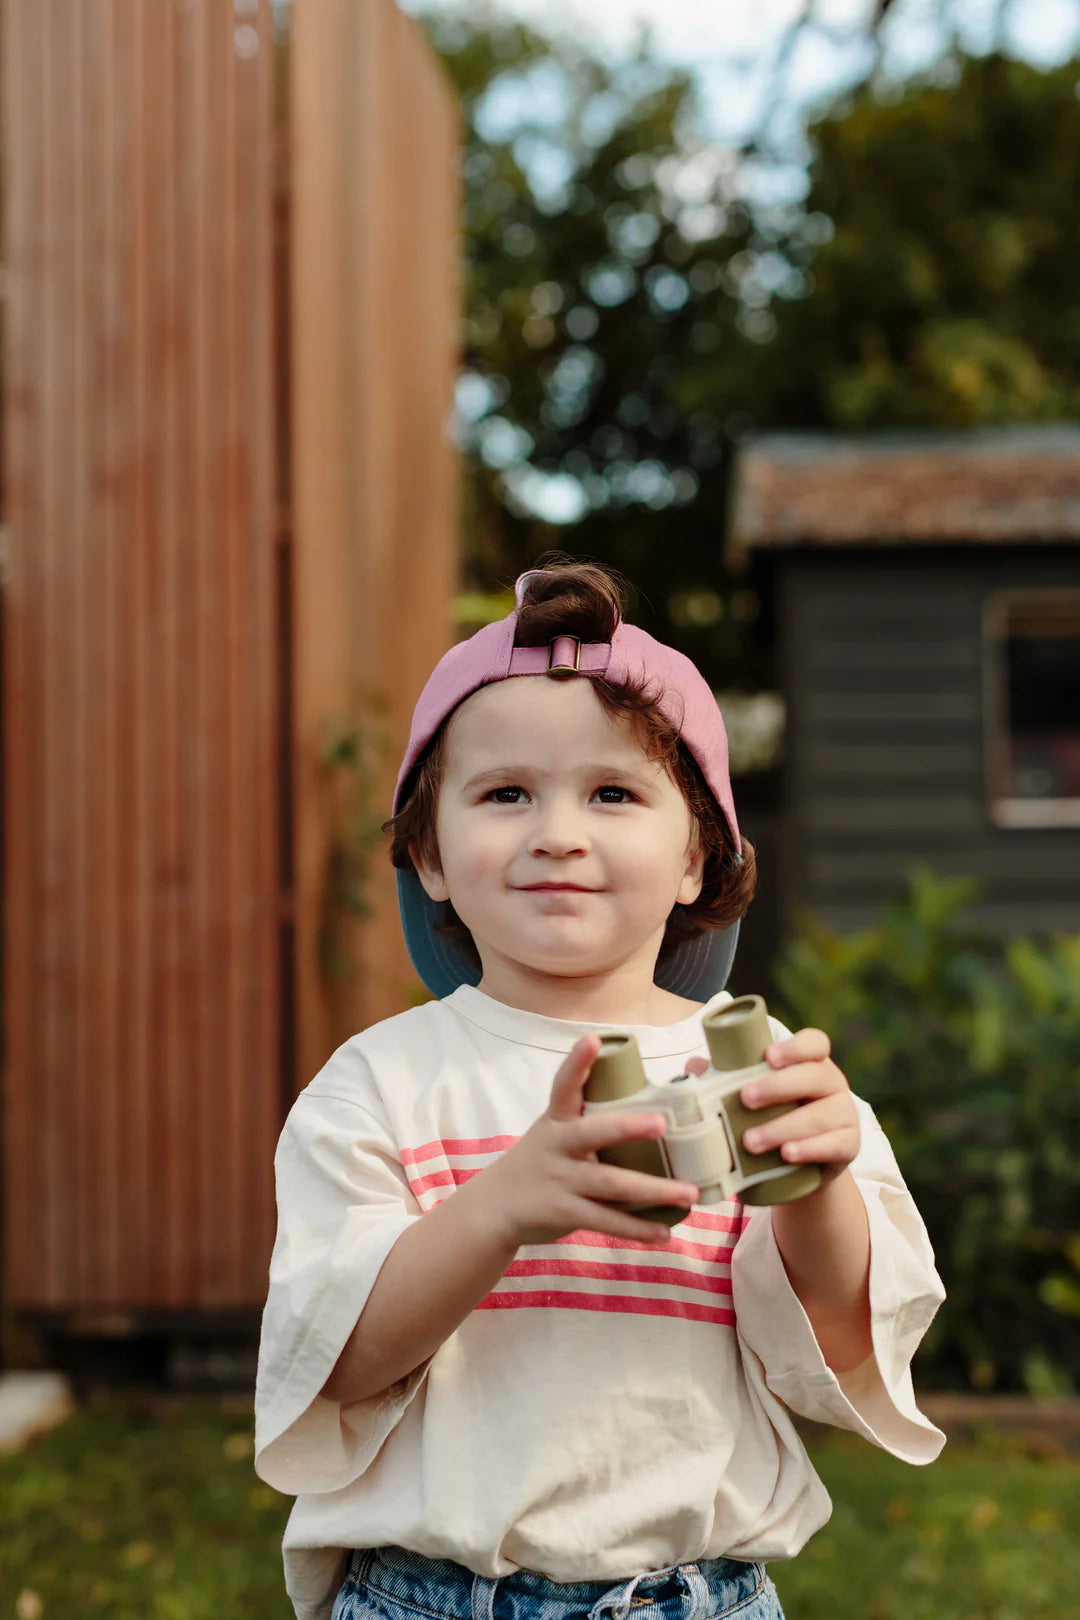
(150, 1511)
(991, 1531)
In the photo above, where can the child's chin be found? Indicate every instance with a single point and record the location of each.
(568, 962)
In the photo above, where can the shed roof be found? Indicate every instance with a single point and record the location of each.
(992, 486)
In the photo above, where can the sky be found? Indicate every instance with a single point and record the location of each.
(731, 44)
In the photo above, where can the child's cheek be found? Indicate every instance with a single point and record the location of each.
(482, 858)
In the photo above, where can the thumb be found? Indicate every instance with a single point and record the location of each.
(568, 1087)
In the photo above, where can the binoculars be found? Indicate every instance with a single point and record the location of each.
(705, 1116)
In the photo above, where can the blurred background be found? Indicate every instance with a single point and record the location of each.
(321, 320)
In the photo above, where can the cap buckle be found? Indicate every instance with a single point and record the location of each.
(558, 652)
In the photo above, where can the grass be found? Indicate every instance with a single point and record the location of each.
(148, 1510)
(991, 1531)
(140, 1510)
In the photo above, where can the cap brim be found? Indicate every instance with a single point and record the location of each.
(443, 964)
(696, 969)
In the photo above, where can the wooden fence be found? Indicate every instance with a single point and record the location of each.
(229, 503)
(374, 305)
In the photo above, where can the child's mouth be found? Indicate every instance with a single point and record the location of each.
(556, 888)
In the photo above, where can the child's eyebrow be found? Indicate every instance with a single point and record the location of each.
(504, 773)
(493, 771)
(598, 768)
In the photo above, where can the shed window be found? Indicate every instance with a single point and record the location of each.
(1033, 708)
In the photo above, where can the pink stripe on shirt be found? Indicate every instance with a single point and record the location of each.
(697, 1261)
(457, 1145)
(629, 1304)
(607, 1271)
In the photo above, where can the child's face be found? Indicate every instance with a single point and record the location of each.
(563, 847)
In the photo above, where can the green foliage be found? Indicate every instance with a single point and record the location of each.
(633, 308)
(151, 1511)
(471, 610)
(354, 762)
(944, 291)
(969, 1052)
(600, 322)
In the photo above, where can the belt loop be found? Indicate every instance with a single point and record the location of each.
(483, 1597)
(697, 1588)
(617, 1600)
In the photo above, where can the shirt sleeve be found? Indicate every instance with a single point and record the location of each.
(343, 1202)
(877, 1399)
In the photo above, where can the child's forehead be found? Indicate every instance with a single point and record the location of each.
(536, 713)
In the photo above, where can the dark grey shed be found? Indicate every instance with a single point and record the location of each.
(927, 601)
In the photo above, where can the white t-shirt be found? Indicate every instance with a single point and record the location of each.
(609, 1408)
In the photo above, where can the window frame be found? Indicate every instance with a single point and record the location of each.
(1004, 810)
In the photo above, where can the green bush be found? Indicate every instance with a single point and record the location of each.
(968, 1049)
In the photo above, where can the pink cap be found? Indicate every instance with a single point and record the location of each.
(698, 967)
(683, 696)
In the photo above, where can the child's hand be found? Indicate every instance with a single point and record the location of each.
(823, 1126)
(551, 1182)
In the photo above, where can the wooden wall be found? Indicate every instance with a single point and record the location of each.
(375, 329)
(142, 1008)
(883, 655)
(180, 640)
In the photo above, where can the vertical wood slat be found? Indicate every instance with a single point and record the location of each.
(143, 1066)
(406, 482)
(142, 724)
(323, 140)
(374, 331)
(80, 207)
(21, 102)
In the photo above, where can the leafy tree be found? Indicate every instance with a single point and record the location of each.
(632, 312)
(945, 293)
(602, 311)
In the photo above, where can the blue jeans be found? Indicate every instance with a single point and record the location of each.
(390, 1583)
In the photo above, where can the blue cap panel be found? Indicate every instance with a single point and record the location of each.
(697, 969)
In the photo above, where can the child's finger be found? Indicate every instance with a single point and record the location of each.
(799, 1124)
(611, 1222)
(590, 1132)
(832, 1147)
(610, 1184)
(569, 1084)
(803, 1080)
(805, 1046)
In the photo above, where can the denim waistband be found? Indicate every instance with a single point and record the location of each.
(440, 1587)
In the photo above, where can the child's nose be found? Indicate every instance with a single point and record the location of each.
(559, 830)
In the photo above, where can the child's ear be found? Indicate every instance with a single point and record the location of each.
(431, 878)
(694, 876)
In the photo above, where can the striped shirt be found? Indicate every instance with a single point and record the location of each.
(589, 1271)
(610, 1407)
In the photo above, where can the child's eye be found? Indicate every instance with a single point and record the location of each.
(505, 795)
(614, 795)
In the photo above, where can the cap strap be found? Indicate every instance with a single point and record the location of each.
(558, 658)
(564, 655)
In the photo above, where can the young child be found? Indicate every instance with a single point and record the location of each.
(496, 1392)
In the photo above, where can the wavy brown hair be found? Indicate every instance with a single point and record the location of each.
(584, 600)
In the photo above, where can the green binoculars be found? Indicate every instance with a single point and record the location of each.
(705, 1116)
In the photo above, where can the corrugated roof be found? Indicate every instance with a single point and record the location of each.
(992, 486)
